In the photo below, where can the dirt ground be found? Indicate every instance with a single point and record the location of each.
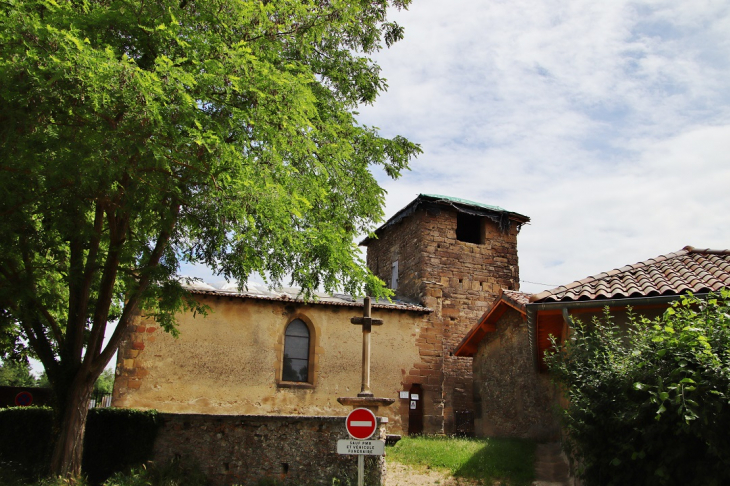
(402, 475)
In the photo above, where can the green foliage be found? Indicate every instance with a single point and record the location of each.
(105, 383)
(26, 439)
(651, 405)
(509, 461)
(138, 135)
(8, 477)
(115, 440)
(133, 433)
(16, 373)
(43, 380)
(178, 472)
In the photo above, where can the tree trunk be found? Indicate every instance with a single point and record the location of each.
(69, 427)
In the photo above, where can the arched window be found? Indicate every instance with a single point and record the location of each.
(296, 352)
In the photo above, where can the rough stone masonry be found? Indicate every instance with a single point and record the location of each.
(456, 278)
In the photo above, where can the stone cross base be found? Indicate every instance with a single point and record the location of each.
(371, 403)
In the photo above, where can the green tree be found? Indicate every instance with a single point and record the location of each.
(105, 383)
(16, 373)
(650, 405)
(137, 135)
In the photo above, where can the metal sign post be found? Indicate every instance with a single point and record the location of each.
(361, 425)
(360, 470)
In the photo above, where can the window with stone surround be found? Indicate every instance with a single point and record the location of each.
(470, 228)
(295, 366)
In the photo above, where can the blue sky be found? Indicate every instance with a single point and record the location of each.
(608, 123)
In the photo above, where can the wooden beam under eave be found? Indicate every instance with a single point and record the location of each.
(547, 324)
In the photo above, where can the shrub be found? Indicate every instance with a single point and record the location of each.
(116, 439)
(177, 472)
(650, 405)
(26, 439)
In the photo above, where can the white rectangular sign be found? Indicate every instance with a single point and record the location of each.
(361, 447)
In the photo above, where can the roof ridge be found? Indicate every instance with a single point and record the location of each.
(613, 273)
(460, 200)
(709, 251)
(671, 273)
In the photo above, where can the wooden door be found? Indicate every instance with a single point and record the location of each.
(415, 410)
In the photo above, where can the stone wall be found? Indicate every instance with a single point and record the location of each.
(247, 449)
(458, 280)
(511, 398)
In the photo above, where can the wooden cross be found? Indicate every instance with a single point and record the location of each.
(366, 322)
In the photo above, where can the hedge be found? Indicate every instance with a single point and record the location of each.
(116, 439)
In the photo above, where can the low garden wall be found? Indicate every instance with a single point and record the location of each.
(254, 449)
(229, 449)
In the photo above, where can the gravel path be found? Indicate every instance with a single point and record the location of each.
(551, 469)
(402, 475)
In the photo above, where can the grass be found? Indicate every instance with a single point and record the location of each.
(490, 460)
(173, 473)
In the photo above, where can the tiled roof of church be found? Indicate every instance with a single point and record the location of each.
(500, 215)
(687, 270)
(294, 294)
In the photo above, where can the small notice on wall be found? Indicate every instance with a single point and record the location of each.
(404, 394)
(413, 404)
(414, 396)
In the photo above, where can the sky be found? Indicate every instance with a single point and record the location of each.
(607, 123)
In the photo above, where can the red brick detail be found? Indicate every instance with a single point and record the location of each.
(138, 345)
(141, 372)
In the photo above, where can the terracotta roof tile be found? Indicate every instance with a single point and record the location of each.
(687, 270)
(518, 299)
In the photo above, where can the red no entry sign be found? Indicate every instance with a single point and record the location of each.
(360, 423)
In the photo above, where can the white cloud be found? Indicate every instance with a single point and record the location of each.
(606, 122)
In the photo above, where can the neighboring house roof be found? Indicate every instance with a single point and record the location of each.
(687, 270)
(500, 216)
(488, 322)
(294, 294)
(660, 279)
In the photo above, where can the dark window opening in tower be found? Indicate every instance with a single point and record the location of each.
(469, 228)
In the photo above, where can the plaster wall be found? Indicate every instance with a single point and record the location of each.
(511, 398)
(229, 362)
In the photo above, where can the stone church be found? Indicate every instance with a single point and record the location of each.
(268, 352)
